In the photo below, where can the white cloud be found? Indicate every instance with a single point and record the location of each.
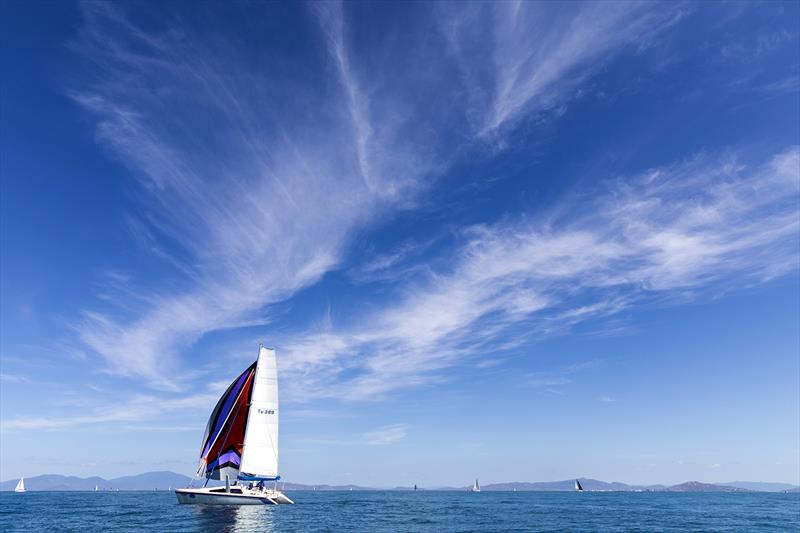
(386, 435)
(517, 57)
(542, 382)
(700, 225)
(13, 378)
(259, 202)
(377, 437)
(133, 409)
(331, 18)
(553, 378)
(259, 198)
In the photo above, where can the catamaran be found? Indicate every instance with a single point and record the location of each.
(240, 444)
(20, 485)
(578, 487)
(476, 487)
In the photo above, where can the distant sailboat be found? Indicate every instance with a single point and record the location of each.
(415, 486)
(476, 487)
(578, 487)
(20, 485)
(95, 488)
(241, 440)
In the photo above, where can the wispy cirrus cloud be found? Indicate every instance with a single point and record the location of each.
(331, 19)
(258, 197)
(386, 435)
(704, 224)
(555, 378)
(134, 409)
(14, 378)
(378, 437)
(255, 201)
(535, 56)
(255, 175)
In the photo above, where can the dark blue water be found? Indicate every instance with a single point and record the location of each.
(406, 511)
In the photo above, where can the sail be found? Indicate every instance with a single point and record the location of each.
(578, 486)
(221, 451)
(20, 485)
(260, 455)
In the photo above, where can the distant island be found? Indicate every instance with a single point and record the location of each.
(166, 480)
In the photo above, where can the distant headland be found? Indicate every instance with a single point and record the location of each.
(165, 480)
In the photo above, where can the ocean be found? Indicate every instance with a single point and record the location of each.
(395, 511)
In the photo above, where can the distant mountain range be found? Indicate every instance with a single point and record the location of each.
(597, 485)
(147, 481)
(164, 480)
(763, 487)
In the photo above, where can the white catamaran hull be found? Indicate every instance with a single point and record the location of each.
(237, 496)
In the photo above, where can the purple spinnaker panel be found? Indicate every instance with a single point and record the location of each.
(222, 410)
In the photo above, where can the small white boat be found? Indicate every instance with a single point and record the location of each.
(20, 485)
(240, 444)
(578, 487)
(476, 487)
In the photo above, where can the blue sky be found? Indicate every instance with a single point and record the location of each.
(513, 241)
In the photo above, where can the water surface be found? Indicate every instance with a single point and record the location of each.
(390, 511)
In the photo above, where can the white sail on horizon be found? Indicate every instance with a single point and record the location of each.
(20, 485)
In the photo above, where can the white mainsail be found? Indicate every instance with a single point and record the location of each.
(20, 485)
(476, 487)
(260, 453)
